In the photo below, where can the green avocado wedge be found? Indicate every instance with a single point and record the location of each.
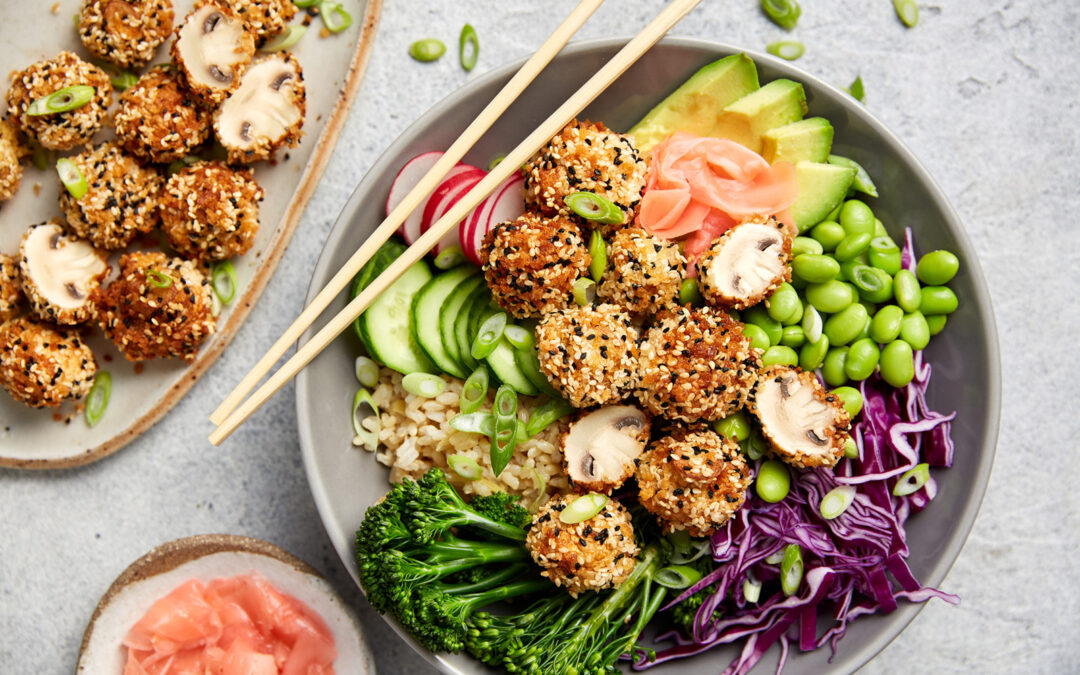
(822, 187)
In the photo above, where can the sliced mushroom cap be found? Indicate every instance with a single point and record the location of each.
(805, 425)
(59, 273)
(600, 447)
(746, 264)
(213, 47)
(267, 108)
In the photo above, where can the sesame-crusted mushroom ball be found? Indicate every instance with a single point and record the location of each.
(42, 366)
(592, 555)
(586, 157)
(121, 200)
(158, 121)
(59, 273)
(157, 307)
(805, 425)
(11, 294)
(62, 130)
(212, 48)
(531, 263)
(211, 212)
(11, 153)
(746, 264)
(643, 272)
(693, 479)
(264, 18)
(695, 364)
(589, 354)
(265, 113)
(125, 32)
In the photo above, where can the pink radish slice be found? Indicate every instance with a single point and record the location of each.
(406, 179)
(506, 203)
(452, 237)
(438, 202)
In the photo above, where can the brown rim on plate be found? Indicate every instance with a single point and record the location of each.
(276, 248)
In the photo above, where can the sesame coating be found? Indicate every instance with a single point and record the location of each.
(586, 157)
(145, 320)
(643, 273)
(158, 121)
(121, 199)
(42, 366)
(745, 264)
(211, 212)
(692, 479)
(695, 364)
(11, 153)
(264, 18)
(211, 88)
(589, 354)
(10, 287)
(69, 271)
(65, 130)
(592, 555)
(249, 126)
(125, 32)
(531, 263)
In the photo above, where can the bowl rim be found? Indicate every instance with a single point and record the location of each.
(863, 652)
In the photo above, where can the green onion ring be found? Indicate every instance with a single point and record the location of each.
(812, 324)
(541, 490)
(775, 558)
(506, 424)
(367, 372)
(468, 47)
(465, 466)
(474, 391)
(865, 279)
(836, 501)
(427, 50)
(224, 282)
(98, 398)
(912, 480)
(908, 12)
(474, 423)
(784, 13)
(791, 569)
(158, 279)
(592, 206)
(584, 291)
(449, 258)
(63, 100)
(789, 50)
(71, 177)
(519, 337)
(366, 436)
(41, 158)
(334, 16)
(487, 338)
(424, 385)
(304, 4)
(851, 449)
(583, 508)
(677, 577)
(285, 39)
(598, 253)
(546, 414)
(751, 590)
(124, 80)
(495, 161)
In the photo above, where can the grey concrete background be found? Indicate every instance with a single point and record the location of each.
(985, 92)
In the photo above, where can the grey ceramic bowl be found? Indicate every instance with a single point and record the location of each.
(345, 481)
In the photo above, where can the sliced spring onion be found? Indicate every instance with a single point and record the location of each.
(223, 280)
(541, 490)
(856, 89)
(694, 549)
(519, 337)
(784, 13)
(583, 508)
(427, 50)
(158, 279)
(334, 16)
(689, 293)
(365, 420)
(367, 372)
(468, 47)
(584, 291)
(812, 324)
(912, 480)
(474, 423)
(751, 590)
(304, 4)
(546, 414)
(465, 466)
(591, 206)
(598, 253)
(63, 100)
(789, 50)
(851, 450)
(775, 558)
(474, 390)
(98, 398)
(123, 80)
(908, 12)
(487, 338)
(677, 577)
(791, 569)
(71, 177)
(864, 278)
(449, 257)
(182, 163)
(836, 501)
(495, 161)
(285, 39)
(506, 428)
(423, 384)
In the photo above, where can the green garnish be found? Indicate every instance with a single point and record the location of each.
(158, 279)
(223, 280)
(791, 569)
(856, 89)
(468, 47)
(474, 423)
(598, 253)
(425, 385)
(64, 100)
(677, 577)
(427, 50)
(334, 16)
(583, 508)
(285, 39)
(449, 258)
(123, 79)
(367, 372)
(545, 415)
(836, 501)
(519, 337)
(908, 12)
(591, 206)
(789, 50)
(506, 424)
(366, 434)
(912, 480)
(304, 4)
(584, 291)
(465, 466)
(474, 391)
(98, 398)
(495, 161)
(487, 338)
(71, 177)
(784, 13)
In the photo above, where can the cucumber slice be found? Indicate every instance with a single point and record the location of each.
(382, 259)
(462, 323)
(385, 327)
(448, 315)
(503, 364)
(529, 364)
(426, 305)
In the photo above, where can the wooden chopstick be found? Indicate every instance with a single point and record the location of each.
(498, 105)
(626, 57)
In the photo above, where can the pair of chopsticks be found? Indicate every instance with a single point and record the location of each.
(234, 410)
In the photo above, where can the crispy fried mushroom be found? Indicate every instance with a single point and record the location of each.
(746, 264)
(59, 273)
(212, 48)
(158, 120)
(125, 32)
(600, 446)
(62, 130)
(805, 424)
(11, 294)
(42, 366)
(265, 112)
(11, 153)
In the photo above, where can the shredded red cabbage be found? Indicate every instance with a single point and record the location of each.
(849, 560)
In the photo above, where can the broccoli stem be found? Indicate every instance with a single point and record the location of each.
(646, 567)
(505, 574)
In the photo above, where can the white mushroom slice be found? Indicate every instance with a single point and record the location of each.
(204, 558)
(213, 47)
(600, 447)
(59, 273)
(265, 111)
(803, 422)
(746, 263)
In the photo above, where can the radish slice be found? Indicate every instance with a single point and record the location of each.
(464, 183)
(438, 202)
(505, 203)
(410, 174)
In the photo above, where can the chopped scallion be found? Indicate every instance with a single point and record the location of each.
(791, 569)
(98, 398)
(851, 450)
(468, 47)
(365, 420)
(487, 338)
(63, 100)
(856, 89)
(592, 206)
(304, 4)
(812, 324)
(584, 291)
(677, 577)
(474, 423)
(836, 501)
(912, 480)
(425, 385)
(224, 282)
(789, 50)
(495, 161)
(506, 428)
(71, 177)
(449, 258)
(546, 414)
(334, 16)
(158, 279)
(285, 39)
(367, 372)
(598, 253)
(474, 391)
(465, 466)
(908, 12)
(124, 80)
(784, 13)
(519, 337)
(583, 508)
(751, 590)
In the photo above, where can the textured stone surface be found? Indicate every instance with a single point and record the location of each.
(983, 91)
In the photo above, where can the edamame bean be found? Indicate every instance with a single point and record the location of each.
(857, 218)
(865, 332)
(759, 339)
(852, 246)
(734, 426)
(851, 450)
(793, 336)
(936, 323)
(845, 326)
(817, 269)
(828, 234)
(832, 369)
(915, 331)
(885, 255)
(897, 363)
(831, 296)
(851, 398)
(773, 481)
(758, 316)
(885, 326)
(937, 300)
(804, 245)
(937, 268)
(862, 359)
(907, 291)
(779, 355)
(812, 354)
(783, 304)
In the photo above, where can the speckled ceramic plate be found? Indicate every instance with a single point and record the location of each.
(333, 68)
(345, 481)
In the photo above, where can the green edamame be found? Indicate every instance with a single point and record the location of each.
(897, 363)
(734, 426)
(937, 300)
(812, 354)
(779, 355)
(852, 246)
(828, 233)
(885, 326)
(936, 323)
(773, 481)
(845, 326)
(851, 450)
(815, 268)
(851, 398)
(937, 268)
(857, 218)
(832, 368)
(803, 245)
(759, 339)
(885, 255)
(759, 317)
(862, 359)
(793, 336)
(907, 291)
(831, 296)
(915, 331)
(784, 304)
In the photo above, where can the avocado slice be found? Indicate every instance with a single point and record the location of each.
(778, 103)
(807, 140)
(693, 106)
(822, 187)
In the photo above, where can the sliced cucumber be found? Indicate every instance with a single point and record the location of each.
(378, 263)
(503, 364)
(426, 305)
(480, 297)
(529, 364)
(385, 327)
(448, 315)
